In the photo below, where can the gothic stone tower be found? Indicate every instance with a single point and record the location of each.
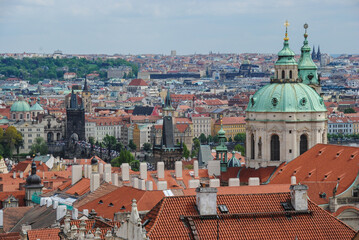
(284, 118)
(75, 122)
(86, 98)
(167, 151)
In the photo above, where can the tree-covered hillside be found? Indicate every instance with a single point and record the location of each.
(37, 69)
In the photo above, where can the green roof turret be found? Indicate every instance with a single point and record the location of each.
(286, 55)
(307, 70)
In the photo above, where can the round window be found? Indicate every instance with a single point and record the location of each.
(303, 101)
(274, 101)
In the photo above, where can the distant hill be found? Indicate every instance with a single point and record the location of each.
(37, 69)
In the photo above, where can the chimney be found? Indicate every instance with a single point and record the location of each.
(60, 212)
(21, 174)
(76, 173)
(75, 160)
(233, 182)
(298, 195)
(125, 172)
(114, 179)
(48, 202)
(100, 168)
(135, 182)
(143, 171)
(178, 170)
(142, 184)
(214, 183)
(206, 200)
(94, 181)
(85, 171)
(195, 169)
(107, 168)
(107, 177)
(149, 185)
(75, 213)
(293, 180)
(253, 181)
(85, 212)
(14, 175)
(160, 170)
(162, 185)
(55, 205)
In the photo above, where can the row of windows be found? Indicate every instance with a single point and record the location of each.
(339, 125)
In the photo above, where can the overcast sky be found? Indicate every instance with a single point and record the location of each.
(188, 26)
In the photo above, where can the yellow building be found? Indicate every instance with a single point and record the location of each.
(231, 125)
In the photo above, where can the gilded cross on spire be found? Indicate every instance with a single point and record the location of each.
(286, 24)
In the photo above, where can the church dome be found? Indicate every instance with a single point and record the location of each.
(33, 179)
(20, 106)
(36, 107)
(286, 97)
(234, 162)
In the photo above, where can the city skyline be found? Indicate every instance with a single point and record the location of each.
(140, 27)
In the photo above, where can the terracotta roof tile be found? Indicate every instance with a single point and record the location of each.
(43, 234)
(319, 168)
(251, 216)
(120, 200)
(80, 188)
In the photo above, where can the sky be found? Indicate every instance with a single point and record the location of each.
(187, 26)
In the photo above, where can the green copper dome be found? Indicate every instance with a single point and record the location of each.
(286, 97)
(36, 107)
(286, 55)
(20, 106)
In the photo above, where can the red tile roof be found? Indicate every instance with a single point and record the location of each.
(43, 234)
(80, 188)
(251, 216)
(138, 82)
(10, 236)
(120, 200)
(319, 168)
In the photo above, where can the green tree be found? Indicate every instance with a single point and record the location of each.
(240, 137)
(119, 147)
(209, 139)
(230, 139)
(240, 148)
(147, 146)
(109, 142)
(185, 152)
(349, 110)
(132, 145)
(11, 139)
(124, 157)
(202, 138)
(92, 140)
(39, 146)
(216, 139)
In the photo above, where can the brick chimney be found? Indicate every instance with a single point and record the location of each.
(206, 200)
(298, 195)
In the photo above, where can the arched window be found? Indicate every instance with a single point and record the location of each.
(290, 74)
(252, 146)
(275, 148)
(303, 147)
(283, 74)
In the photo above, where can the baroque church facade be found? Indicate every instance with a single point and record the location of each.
(286, 117)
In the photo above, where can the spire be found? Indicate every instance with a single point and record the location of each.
(85, 86)
(318, 53)
(73, 100)
(314, 55)
(306, 67)
(168, 101)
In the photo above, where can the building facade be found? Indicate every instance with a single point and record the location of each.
(284, 118)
